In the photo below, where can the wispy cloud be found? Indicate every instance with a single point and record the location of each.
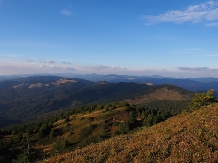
(56, 67)
(194, 68)
(214, 69)
(66, 12)
(186, 51)
(206, 55)
(7, 68)
(42, 66)
(10, 55)
(68, 68)
(213, 24)
(46, 61)
(30, 61)
(67, 63)
(101, 67)
(206, 13)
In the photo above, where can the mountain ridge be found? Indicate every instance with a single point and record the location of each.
(191, 84)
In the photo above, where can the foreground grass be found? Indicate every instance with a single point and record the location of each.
(184, 138)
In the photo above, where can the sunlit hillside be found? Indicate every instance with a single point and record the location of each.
(189, 137)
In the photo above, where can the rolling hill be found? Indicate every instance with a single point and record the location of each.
(28, 99)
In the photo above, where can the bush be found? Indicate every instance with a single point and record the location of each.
(202, 99)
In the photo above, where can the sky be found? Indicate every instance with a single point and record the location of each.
(129, 37)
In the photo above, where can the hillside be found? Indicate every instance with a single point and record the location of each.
(32, 98)
(80, 126)
(189, 137)
(163, 93)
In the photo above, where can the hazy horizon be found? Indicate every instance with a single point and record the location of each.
(72, 75)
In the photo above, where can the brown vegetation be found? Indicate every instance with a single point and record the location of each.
(159, 94)
(63, 81)
(189, 137)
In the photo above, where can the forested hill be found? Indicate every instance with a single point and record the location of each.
(30, 98)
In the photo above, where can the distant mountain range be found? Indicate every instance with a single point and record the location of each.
(191, 84)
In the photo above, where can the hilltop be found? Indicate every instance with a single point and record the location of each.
(187, 137)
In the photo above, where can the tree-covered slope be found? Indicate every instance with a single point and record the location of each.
(189, 137)
(79, 127)
(29, 98)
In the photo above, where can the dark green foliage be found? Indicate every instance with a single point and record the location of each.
(202, 99)
(148, 121)
(44, 131)
(67, 119)
(131, 118)
(85, 131)
(116, 133)
(115, 123)
(60, 146)
(2, 146)
(26, 154)
(22, 158)
(52, 133)
(88, 140)
(124, 127)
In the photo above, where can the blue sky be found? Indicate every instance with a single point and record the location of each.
(131, 37)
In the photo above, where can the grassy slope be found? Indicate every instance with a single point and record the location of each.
(184, 138)
(159, 94)
(76, 133)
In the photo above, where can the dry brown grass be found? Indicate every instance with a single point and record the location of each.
(160, 94)
(63, 81)
(184, 138)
